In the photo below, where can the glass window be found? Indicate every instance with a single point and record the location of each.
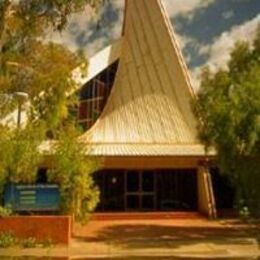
(132, 181)
(148, 181)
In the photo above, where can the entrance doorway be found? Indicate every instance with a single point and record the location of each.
(147, 190)
(177, 190)
(224, 190)
(111, 187)
(140, 191)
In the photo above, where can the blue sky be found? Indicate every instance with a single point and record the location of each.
(206, 29)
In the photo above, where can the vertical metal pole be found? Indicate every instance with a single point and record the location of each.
(19, 112)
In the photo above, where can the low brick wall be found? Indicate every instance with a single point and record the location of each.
(56, 228)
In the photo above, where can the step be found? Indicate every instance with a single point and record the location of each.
(145, 215)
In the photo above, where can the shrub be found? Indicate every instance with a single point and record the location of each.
(5, 211)
(73, 170)
(29, 242)
(7, 239)
(47, 243)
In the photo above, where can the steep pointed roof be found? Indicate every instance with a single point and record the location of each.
(148, 111)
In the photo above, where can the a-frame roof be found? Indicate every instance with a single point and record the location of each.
(148, 111)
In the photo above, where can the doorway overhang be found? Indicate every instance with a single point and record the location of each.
(153, 162)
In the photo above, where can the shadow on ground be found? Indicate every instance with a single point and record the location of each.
(135, 236)
(120, 258)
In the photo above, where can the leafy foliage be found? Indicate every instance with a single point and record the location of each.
(72, 169)
(19, 154)
(43, 70)
(42, 13)
(47, 243)
(31, 64)
(228, 107)
(29, 242)
(7, 239)
(5, 212)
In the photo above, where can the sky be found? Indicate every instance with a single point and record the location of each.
(206, 29)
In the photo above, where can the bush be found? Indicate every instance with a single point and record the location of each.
(73, 170)
(244, 213)
(19, 154)
(29, 242)
(7, 239)
(5, 212)
(47, 243)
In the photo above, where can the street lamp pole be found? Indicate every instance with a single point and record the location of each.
(21, 97)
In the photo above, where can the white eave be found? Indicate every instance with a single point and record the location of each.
(99, 62)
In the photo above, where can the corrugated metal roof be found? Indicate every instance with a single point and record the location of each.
(48, 147)
(148, 150)
(148, 111)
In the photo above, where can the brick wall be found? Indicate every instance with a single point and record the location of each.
(56, 228)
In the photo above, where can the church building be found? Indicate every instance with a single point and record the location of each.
(135, 106)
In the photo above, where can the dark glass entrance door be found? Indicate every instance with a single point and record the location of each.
(111, 186)
(177, 190)
(140, 191)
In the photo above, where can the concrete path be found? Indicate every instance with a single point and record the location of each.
(156, 238)
(167, 237)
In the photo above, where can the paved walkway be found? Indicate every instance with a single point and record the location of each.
(156, 238)
(165, 237)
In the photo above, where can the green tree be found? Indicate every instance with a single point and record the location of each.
(30, 63)
(73, 169)
(19, 154)
(228, 109)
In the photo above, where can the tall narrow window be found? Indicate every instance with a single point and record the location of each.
(93, 96)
